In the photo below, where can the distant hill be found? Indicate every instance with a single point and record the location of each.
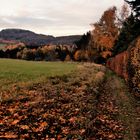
(30, 38)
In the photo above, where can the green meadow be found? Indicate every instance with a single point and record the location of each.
(20, 71)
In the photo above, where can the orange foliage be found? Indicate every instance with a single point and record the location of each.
(105, 32)
(77, 55)
(67, 58)
(119, 64)
(106, 54)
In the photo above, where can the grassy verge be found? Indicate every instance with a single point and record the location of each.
(126, 104)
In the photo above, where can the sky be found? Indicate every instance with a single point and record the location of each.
(53, 17)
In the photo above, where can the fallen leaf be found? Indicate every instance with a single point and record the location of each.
(24, 127)
(14, 122)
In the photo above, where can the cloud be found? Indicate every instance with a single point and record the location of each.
(58, 17)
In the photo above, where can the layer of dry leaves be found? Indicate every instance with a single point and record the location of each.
(67, 107)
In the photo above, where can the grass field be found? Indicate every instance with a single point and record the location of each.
(19, 71)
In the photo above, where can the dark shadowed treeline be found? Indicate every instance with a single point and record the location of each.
(48, 52)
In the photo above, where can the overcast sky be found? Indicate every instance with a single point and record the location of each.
(53, 17)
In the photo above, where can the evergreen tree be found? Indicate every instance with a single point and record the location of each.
(130, 29)
(135, 5)
(84, 41)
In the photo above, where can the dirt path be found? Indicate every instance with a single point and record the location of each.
(128, 107)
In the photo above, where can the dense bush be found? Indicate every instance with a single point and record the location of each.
(134, 67)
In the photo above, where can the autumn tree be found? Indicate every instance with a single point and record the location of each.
(81, 55)
(68, 58)
(19, 55)
(105, 33)
(26, 54)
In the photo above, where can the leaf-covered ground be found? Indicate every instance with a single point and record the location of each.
(68, 107)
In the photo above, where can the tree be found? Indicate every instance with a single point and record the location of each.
(127, 34)
(84, 41)
(39, 54)
(123, 15)
(105, 33)
(27, 54)
(19, 55)
(2, 54)
(124, 12)
(80, 55)
(135, 5)
(130, 29)
(68, 58)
